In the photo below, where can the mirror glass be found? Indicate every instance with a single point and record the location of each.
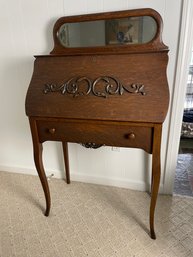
(132, 30)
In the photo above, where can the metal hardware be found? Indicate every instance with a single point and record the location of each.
(92, 145)
(111, 85)
(52, 130)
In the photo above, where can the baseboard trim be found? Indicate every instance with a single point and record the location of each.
(117, 182)
(29, 171)
(85, 178)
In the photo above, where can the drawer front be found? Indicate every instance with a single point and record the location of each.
(106, 134)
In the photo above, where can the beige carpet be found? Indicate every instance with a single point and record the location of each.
(89, 220)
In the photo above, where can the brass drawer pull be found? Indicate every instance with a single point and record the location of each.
(52, 130)
(131, 136)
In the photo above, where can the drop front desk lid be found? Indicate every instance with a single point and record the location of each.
(119, 81)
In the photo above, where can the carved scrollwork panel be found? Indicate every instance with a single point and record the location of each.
(92, 145)
(111, 86)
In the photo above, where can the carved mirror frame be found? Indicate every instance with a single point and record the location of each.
(153, 45)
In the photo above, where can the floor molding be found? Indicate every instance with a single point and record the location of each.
(85, 178)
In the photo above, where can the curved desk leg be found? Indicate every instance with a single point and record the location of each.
(155, 175)
(66, 161)
(37, 148)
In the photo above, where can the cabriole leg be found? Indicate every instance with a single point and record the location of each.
(37, 148)
(155, 175)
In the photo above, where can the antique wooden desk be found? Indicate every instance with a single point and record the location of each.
(112, 93)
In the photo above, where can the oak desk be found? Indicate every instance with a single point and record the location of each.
(114, 94)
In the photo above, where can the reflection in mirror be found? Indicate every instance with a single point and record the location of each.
(132, 30)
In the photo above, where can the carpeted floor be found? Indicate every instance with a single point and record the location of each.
(89, 220)
(183, 184)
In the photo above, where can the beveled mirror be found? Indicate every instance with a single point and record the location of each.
(131, 30)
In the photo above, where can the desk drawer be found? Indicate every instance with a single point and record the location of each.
(111, 134)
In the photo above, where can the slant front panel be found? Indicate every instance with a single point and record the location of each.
(125, 85)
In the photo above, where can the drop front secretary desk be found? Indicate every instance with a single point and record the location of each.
(104, 83)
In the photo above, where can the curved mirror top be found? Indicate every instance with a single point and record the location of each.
(124, 31)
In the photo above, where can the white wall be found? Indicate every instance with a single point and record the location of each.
(183, 62)
(26, 30)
